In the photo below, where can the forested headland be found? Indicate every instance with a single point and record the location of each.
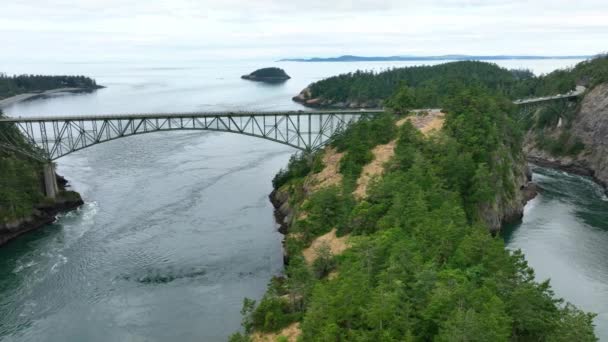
(431, 85)
(413, 260)
(23, 205)
(19, 84)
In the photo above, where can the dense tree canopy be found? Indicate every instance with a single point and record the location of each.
(20, 184)
(432, 85)
(423, 266)
(14, 85)
(269, 72)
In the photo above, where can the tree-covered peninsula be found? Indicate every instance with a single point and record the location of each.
(268, 75)
(401, 250)
(19, 84)
(432, 85)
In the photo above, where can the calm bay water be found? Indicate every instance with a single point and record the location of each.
(177, 227)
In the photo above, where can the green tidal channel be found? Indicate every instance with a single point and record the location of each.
(564, 236)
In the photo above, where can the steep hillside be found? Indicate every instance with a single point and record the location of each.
(575, 138)
(23, 206)
(411, 257)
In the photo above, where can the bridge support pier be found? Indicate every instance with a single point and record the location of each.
(50, 180)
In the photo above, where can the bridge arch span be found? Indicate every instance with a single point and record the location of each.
(59, 136)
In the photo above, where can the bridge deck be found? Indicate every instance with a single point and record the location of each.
(184, 115)
(575, 93)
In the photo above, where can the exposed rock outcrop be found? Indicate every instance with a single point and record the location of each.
(506, 207)
(283, 211)
(283, 214)
(590, 125)
(305, 97)
(43, 214)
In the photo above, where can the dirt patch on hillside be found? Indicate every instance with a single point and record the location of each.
(292, 332)
(330, 175)
(425, 122)
(382, 154)
(336, 245)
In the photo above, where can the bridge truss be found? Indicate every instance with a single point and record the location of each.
(60, 136)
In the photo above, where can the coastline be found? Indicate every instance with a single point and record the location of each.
(265, 79)
(305, 98)
(33, 95)
(42, 214)
(283, 215)
(573, 168)
(45, 212)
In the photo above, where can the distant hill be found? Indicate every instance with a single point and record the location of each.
(351, 58)
(432, 85)
(270, 75)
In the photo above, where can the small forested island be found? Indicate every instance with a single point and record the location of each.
(392, 231)
(22, 84)
(269, 75)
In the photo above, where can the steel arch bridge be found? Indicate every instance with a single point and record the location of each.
(58, 136)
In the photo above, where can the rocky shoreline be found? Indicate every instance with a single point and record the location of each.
(570, 167)
(496, 216)
(589, 126)
(283, 214)
(305, 98)
(44, 213)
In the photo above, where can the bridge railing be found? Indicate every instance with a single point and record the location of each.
(304, 130)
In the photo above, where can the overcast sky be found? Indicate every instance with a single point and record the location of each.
(78, 30)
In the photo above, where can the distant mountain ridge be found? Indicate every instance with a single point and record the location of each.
(352, 58)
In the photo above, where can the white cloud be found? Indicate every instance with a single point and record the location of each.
(187, 29)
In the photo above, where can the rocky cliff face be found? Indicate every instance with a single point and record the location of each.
(590, 125)
(42, 214)
(283, 214)
(509, 207)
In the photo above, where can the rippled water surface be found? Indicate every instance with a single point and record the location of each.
(177, 227)
(564, 235)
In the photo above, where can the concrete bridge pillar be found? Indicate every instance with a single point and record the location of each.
(50, 180)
